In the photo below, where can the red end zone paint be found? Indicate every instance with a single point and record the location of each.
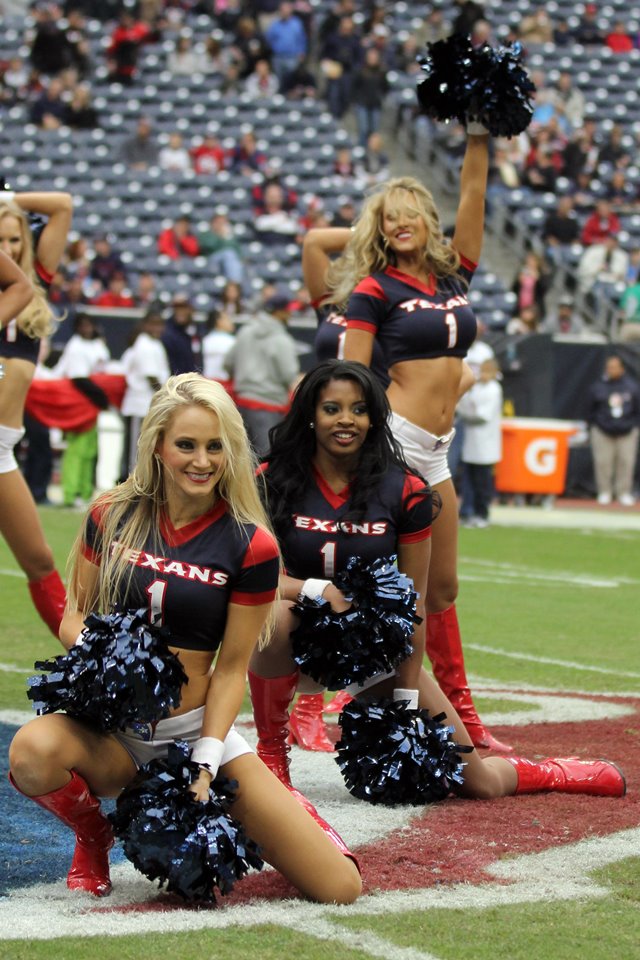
(457, 840)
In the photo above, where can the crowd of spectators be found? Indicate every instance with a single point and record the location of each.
(345, 54)
(579, 171)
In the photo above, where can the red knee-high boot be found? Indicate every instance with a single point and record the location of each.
(271, 698)
(444, 649)
(49, 598)
(306, 724)
(333, 835)
(569, 775)
(77, 807)
(339, 702)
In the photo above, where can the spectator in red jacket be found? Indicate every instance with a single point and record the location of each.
(126, 40)
(178, 241)
(209, 156)
(116, 295)
(619, 40)
(601, 224)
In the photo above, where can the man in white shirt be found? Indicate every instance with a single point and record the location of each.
(146, 368)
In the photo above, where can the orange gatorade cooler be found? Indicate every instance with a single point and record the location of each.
(535, 453)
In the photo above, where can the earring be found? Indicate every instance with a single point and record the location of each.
(311, 425)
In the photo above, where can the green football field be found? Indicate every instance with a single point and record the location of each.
(550, 618)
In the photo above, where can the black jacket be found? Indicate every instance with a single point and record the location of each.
(615, 405)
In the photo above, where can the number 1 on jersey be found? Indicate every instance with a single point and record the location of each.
(329, 559)
(452, 327)
(156, 591)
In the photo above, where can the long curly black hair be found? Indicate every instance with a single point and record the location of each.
(293, 444)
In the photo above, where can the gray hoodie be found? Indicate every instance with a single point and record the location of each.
(263, 362)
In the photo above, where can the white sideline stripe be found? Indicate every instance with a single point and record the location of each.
(503, 580)
(11, 668)
(10, 573)
(523, 568)
(514, 571)
(571, 664)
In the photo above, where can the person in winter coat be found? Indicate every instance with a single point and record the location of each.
(264, 366)
(614, 418)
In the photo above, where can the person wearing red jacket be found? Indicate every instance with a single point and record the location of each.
(601, 224)
(178, 241)
(122, 53)
(116, 295)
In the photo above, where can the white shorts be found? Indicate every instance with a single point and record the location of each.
(422, 450)
(149, 741)
(9, 437)
(355, 688)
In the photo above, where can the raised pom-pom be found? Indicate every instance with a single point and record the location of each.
(190, 847)
(501, 93)
(121, 673)
(482, 84)
(444, 91)
(373, 636)
(390, 755)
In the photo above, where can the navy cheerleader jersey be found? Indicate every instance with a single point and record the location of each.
(413, 320)
(13, 342)
(317, 544)
(200, 569)
(329, 341)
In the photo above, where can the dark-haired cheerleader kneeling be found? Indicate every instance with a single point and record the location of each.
(337, 486)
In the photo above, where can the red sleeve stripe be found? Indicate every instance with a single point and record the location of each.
(252, 599)
(261, 549)
(90, 554)
(43, 273)
(415, 537)
(370, 288)
(361, 325)
(468, 264)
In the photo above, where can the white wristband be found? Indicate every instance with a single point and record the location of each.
(476, 129)
(313, 589)
(8, 196)
(207, 752)
(400, 693)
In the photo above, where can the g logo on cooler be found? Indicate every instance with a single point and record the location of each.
(541, 456)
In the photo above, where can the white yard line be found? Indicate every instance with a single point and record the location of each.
(516, 571)
(570, 664)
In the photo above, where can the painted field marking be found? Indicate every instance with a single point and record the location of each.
(10, 573)
(48, 911)
(570, 664)
(512, 571)
(12, 668)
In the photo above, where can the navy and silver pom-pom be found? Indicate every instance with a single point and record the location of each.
(483, 84)
(123, 672)
(373, 636)
(448, 66)
(501, 93)
(390, 755)
(190, 847)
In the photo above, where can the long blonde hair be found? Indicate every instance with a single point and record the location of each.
(367, 251)
(130, 513)
(36, 320)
